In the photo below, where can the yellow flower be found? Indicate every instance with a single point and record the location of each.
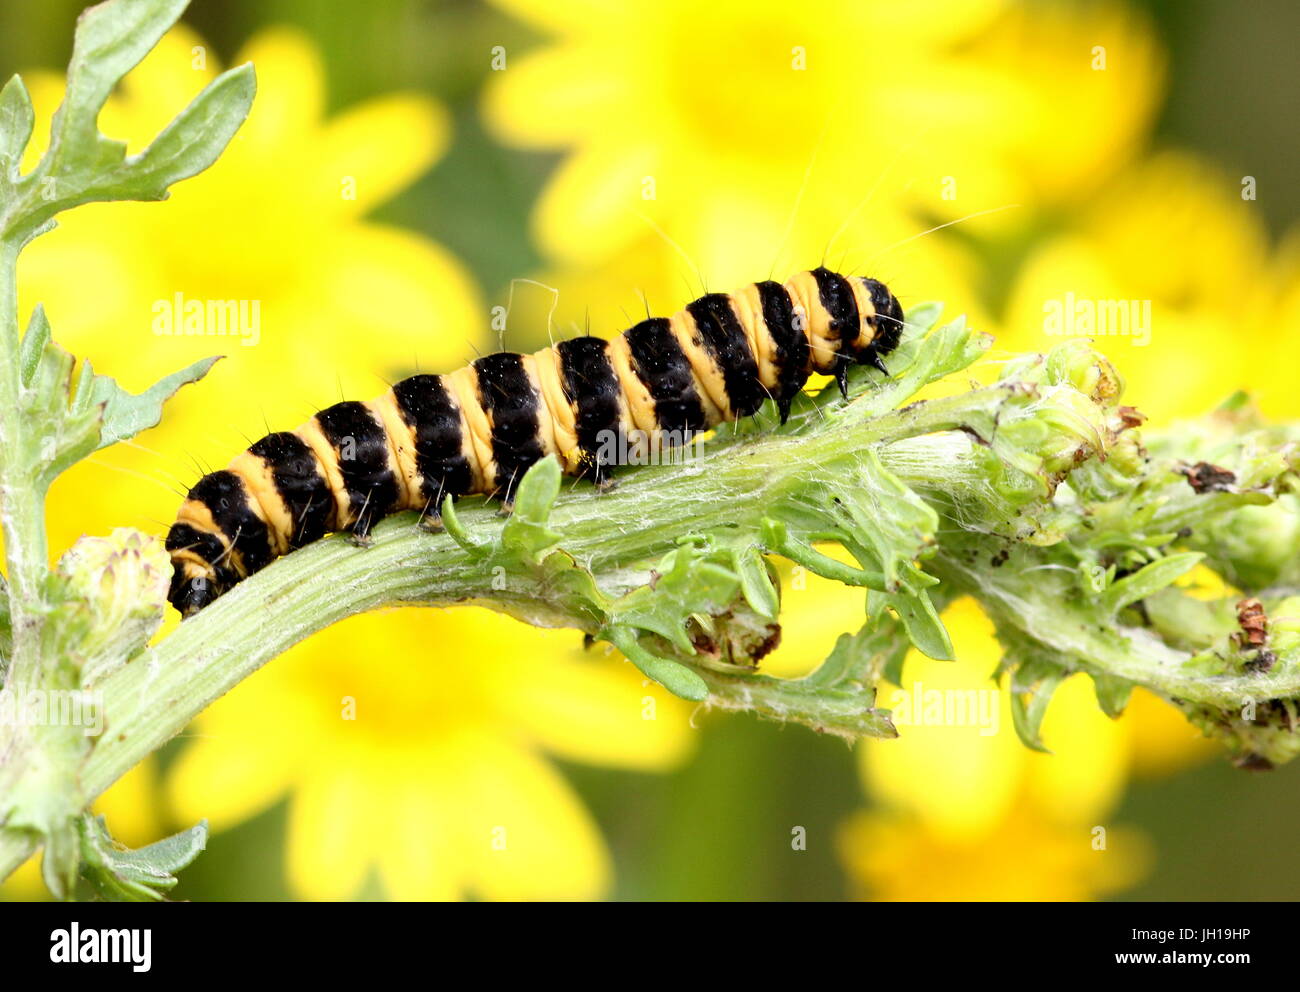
(959, 779)
(894, 858)
(957, 794)
(415, 745)
(1173, 267)
(444, 760)
(717, 120)
(331, 301)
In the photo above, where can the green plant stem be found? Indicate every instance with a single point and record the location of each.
(153, 698)
(22, 512)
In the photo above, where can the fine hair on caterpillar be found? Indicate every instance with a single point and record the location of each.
(590, 403)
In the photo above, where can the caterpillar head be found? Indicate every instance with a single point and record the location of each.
(883, 329)
(194, 585)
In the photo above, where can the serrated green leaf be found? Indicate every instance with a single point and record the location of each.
(111, 39)
(16, 122)
(83, 166)
(195, 139)
(686, 583)
(126, 414)
(1148, 580)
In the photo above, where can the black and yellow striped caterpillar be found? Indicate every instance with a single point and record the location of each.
(478, 429)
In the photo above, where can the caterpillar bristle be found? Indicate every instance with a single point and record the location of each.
(592, 404)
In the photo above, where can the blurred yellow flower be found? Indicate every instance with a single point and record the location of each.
(959, 778)
(327, 300)
(894, 858)
(415, 745)
(439, 782)
(714, 119)
(1169, 271)
(957, 794)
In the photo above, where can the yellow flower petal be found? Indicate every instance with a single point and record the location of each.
(1084, 776)
(525, 834)
(378, 148)
(602, 711)
(959, 775)
(290, 90)
(329, 839)
(1024, 858)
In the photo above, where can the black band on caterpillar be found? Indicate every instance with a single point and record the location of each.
(836, 296)
(592, 386)
(511, 404)
(661, 364)
(723, 337)
(369, 480)
(429, 411)
(300, 485)
(479, 429)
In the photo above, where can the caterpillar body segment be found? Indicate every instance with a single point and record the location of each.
(478, 429)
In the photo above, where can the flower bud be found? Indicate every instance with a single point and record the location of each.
(121, 581)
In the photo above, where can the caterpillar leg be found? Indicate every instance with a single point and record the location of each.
(842, 377)
(431, 516)
(359, 532)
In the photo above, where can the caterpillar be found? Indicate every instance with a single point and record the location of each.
(478, 429)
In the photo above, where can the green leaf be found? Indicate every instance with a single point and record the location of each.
(1032, 684)
(81, 165)
(125, 414)
(111, 39)
(196, 138)
(33, 344)
(1113, 693)
(460, 534)
(120, 874)
(525, 534)
(862, 657)
(755, 582)
(886, 517)
(16, 122)
(673, 676)
(1148, 580)
(777, 538)
(924, 316)
(920, 620)
(59, 436)
(686, 582)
